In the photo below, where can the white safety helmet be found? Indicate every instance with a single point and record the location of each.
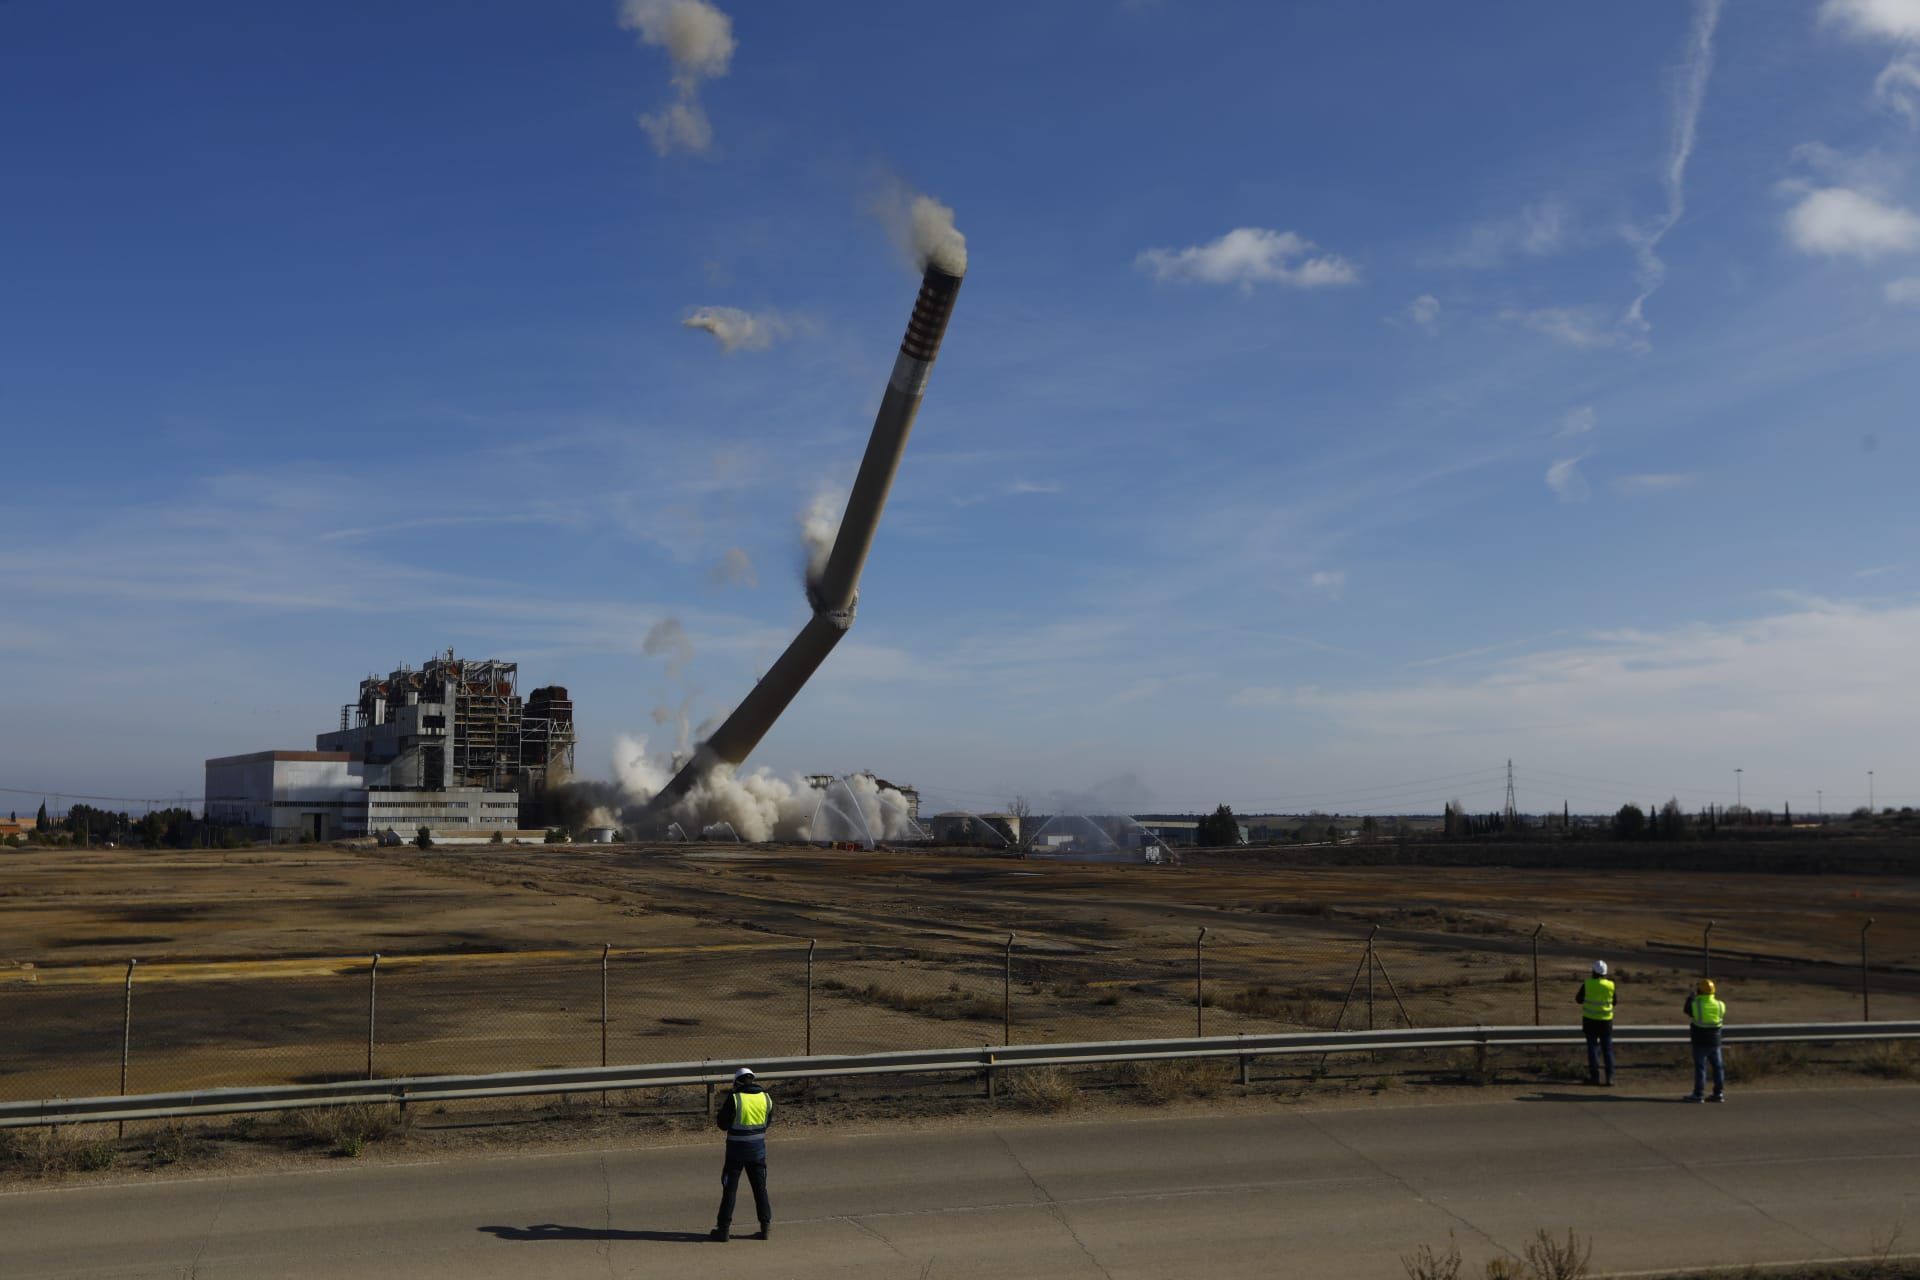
(744, 1073)
(1599, 968)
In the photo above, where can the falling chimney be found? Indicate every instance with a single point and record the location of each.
(835, 595)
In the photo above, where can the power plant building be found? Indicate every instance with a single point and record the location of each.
(450, 747)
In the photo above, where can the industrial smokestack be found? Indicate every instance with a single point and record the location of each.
(835, 593)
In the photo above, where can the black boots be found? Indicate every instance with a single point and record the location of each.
(720, 1235)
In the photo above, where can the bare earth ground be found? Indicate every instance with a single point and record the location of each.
(254, 964)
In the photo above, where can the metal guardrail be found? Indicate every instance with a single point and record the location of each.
(415, 1089)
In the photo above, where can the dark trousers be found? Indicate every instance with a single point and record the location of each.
(1599, 1041)
(749, 1158)
(1707, 1053)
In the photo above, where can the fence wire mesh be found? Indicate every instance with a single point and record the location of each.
(63, 1030)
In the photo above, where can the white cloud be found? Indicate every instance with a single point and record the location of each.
(698, 38)
(1537, 230)
(1644, 485)
(1564, 478)
(1897, 89)
(1580, 327)
(1577, 422)
(1886, 19)
(1838, 678)
(1331, 581)
(737, 330)
(1424, 311)
(1839, 220)
(1689, 96)
(1906, 290)
(1247, 256)
(1019, 487)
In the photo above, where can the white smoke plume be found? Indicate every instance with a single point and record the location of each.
(737, 330)
(681, 718)
(923, 228)
(819, 526)
(884, 808)
(759, 806)
(698, 38)
(667, 638)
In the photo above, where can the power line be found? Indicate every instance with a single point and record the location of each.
(44, 792)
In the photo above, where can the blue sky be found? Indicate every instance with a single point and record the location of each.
(1343, 399)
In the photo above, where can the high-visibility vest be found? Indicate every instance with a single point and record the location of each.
(1708, 1011)
(751, 1111)
(1597, 999)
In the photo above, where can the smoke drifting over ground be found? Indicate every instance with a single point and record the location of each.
(698, 38)
(758, 806)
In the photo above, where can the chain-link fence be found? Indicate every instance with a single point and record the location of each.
(95, 1030)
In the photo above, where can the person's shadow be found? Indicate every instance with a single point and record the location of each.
(1598, 1095)
(554, 1231)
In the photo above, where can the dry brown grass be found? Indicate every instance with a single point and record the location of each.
(952, 1005)
(1171, 1079)
(41, 1153)
(1891, 1060)
(346, 1131)
(1044, 1089)
(1546, 1257)
(1749, 1062)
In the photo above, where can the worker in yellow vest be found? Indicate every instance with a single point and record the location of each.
(1595, 999)
(1706, 1014)
(744, 1114)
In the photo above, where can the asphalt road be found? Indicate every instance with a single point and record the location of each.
(1770, 1176)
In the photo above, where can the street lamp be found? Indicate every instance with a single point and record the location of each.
(1869, 793)
(1820, 803)
(1737, 803)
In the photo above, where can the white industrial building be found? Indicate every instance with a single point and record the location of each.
(326, 795)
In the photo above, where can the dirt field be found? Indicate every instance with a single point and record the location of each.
(254, 965)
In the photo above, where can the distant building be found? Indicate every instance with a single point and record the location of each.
(450, 747)
(1177, 831)
(995, 830)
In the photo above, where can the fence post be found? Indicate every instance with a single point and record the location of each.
(1706, 950)
(1376, 929)
(1200, 983)
(606, 950)
(811, 944)
(1006, 993)
(1866, 998)
(1536, 971)
(126, 1036)
(373, 989)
